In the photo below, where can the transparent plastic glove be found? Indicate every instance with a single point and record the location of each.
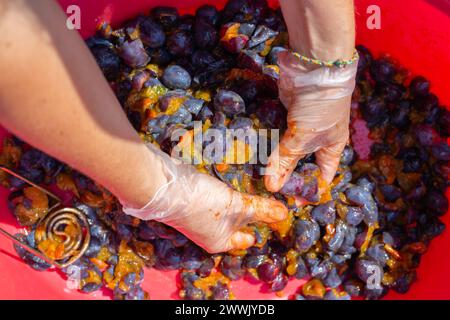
(318, 102)
(203, 208)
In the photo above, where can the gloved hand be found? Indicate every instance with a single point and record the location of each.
(318, 102)
(203, 208)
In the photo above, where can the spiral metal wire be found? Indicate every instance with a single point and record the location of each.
(56, 225)
(68, 226)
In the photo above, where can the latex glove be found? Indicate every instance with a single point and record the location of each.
(318, 102)
(205, 209)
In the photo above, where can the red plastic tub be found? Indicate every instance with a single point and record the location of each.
(415, 32)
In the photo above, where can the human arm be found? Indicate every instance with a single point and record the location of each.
(317, 98)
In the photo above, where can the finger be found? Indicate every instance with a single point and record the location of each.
(328, 159)
(240, 240)
(282, 162)
(259, 209)
(300, 202)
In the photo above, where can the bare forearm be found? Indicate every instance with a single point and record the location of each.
(53, 95)
(322, 29)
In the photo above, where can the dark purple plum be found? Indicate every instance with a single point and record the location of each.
(202, 58)
(208, 13)
(158, 124)
(261, 35)
(229, 102)
(249, 59)
(432, 228)
(419, 86)
(160, 56)
(347, 156)
(378, 254)
(205, 113)
(339, 236)
(175, 77)
(186, 23)
(365, 57)
(413, 159)
(206, 35)
(168, 257)
(231, 266)
(307, 232)
(374, 293)
(361, 197)
(436, 202)
(332, 280)
(248, 90)
(444, 122)
(427, 135)
(33, 261)
(180, 43)
(390, 192)
(403, 283)
(241, 123)
(94, 248)
(139, 80)
(294, 185)
(271, 75)
(427, 103)
(353, 287)
(192, 257)
(233, 7)
(321, 270)
(350, 236)
(166, 16)
(336, 295)
(399, 117)
(230, 39)
(441, 151)
(366, 183)
(206, 267)
(391, 92)
(253, 261)
(310, 172)
(134, 54)
(382, 70)
(302, 269)
(108, 61)
(219, 119)
(324, 213)
(354, 216)
(135, 293)
(167, 98)
(221, 292)
(268, 271)
(374, 111)
(247, 29)
(272, 114)
(366, 268)
(152, 33)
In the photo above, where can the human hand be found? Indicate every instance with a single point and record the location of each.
(318, 102)
(205, 209)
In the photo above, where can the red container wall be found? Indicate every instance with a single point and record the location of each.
(415, 32)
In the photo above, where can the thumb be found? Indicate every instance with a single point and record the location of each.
(256, 209)
(328, 159)
(263, 209)
(283, 161)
